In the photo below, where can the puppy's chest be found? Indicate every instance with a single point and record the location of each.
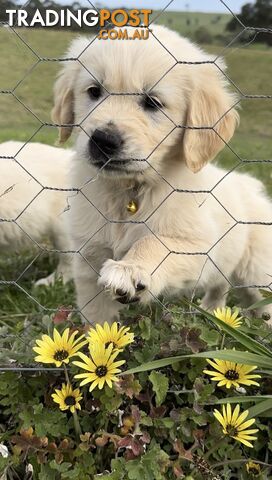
(127, 215)
(124, 215)
(127, 212)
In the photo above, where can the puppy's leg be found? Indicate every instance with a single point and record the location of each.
(61, 242)
(151, 267)
(94, 305)
(255, 269)
(215, 297)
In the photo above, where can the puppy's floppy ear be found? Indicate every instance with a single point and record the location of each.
(63, 110)
(210, 105)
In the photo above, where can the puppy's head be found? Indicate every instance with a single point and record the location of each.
(138, 108)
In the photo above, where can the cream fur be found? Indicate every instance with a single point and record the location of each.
(181, 238)
(38, 213)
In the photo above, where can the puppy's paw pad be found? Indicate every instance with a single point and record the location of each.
(121, 293)
(124, 280)
(125, 300)
(140, 287)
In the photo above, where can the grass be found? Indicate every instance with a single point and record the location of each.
(38, 300)
(250, 68)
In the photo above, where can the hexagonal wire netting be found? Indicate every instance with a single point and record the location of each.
(12, 92)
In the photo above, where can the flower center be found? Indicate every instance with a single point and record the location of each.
(61, 355)
(231, 430)
(232, 375)
(254, 471)
(109, 343)
(70, 400)
(101, 371)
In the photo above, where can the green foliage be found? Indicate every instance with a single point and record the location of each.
(152, 466)
(160, 384)
(157, 422)
(45, 421)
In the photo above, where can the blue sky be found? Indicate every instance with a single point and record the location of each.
(191, 5)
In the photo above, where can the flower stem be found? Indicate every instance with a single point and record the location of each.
(77, 425)
(66, 374)
(222, 341)
(239, 460)
(75, 416)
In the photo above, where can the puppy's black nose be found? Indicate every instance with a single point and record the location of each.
(104, 144)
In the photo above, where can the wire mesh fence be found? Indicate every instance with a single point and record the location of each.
(36, 307)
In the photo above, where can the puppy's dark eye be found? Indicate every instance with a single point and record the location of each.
(94, 92)
(151, 103)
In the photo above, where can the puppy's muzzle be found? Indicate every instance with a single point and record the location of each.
(104, 145)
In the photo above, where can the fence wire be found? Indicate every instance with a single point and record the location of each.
(38, 60)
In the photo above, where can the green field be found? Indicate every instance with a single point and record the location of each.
(250, 68)
(187, 23)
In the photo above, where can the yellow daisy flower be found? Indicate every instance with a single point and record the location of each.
(229, 317)
(100, 366)
(119, 337)
(231, 374)
(67, 398)
(58, 349)
(253, 469)
(234, 425)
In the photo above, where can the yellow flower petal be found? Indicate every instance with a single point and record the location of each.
(245, 442)
(229, 413)
(246, 424)
(241, 418)
(93, 385)
(219, 417)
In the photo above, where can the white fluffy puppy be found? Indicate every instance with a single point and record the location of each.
(153, 217)
(28, 211)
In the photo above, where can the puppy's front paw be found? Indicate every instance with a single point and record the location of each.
(126, 282)
(47, 281)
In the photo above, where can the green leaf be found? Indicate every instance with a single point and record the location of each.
(61, 468)
(209, 336)
(265, 293)
(239, 357)
(47, 473)
(261, 303)
(160, 385)
(261, 371)
(231, 355)
(260, 408)
(267, 414)
(238, 399)
(145, 326)
(239, 336)
(4, 463)
(117, 470)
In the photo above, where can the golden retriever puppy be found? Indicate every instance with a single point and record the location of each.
(30, 208)
(153, 217)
